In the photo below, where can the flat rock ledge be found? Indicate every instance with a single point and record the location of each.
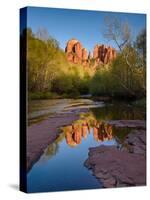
(128, 123)
(120, 167)
(40, 135)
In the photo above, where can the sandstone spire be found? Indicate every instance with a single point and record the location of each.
(102, 54)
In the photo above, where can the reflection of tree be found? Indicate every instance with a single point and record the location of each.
(53, 148)
(117, 112)
(121, 134)
(80, 129)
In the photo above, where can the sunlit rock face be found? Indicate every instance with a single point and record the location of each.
(77, 54)
(104, 54)
(71, 45)
(84, 54)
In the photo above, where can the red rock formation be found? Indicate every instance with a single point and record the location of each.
(96, 52)
(78, 50)
(84, 54)
(70, 46)
(104, 54)
(75, 53)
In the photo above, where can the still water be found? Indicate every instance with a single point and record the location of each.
(61, 167)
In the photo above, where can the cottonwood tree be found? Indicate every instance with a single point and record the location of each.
(117, 31)
(42, 34)
(120, 32)
(140, 45)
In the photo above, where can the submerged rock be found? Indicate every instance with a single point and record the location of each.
(136, 142)
(120, 167)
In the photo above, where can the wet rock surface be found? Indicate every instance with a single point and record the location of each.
(136, 142)
(116, 167)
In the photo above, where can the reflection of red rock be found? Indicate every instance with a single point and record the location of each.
(101, 132)
(68, 137)
(73, 135)
(77, 134)
(95, 133)
(84, 130)
(108, 130)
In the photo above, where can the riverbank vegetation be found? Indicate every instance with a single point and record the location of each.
(126, 75)
(50, 75)
(121, 80)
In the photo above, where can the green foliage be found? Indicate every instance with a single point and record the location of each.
(73, 81)
(42, 95)
(140, 44)
(41, 56)
(101, 83)
(124, 78)
(129, 74)
(140, 103)
(49, 71)
(50, 75)
(128, 71)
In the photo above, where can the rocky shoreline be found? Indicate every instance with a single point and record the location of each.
(40, 135)
(112, 166)
(125, 166)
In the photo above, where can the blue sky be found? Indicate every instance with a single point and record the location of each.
(86, 26)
